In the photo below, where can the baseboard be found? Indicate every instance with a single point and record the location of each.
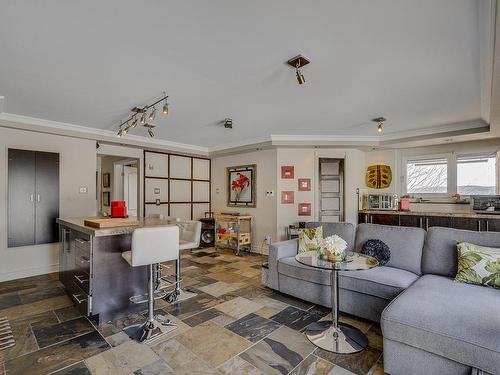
(264, 250)
(27, 272)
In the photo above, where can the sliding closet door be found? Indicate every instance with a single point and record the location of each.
(21, 198)
(47, 197)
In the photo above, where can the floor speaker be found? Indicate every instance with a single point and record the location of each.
(207, 237)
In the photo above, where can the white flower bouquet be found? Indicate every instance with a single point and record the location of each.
(334, 248)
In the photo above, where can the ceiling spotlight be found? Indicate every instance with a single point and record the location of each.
(120, 133)
(151, 134)
(134, 122)
(165, 106)
(125, 131)
(300, 77)
(143, 117)
(152, 115)
(228, 123)
(298, 62)
(380, 123)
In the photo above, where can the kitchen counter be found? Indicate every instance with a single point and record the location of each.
(77, 223)
(468, 214)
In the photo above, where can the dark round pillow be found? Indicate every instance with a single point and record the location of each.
(377, 249)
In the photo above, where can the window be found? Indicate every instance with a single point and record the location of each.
(476, 174)
(424, 176)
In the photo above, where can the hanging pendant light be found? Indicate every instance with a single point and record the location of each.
(380, 123)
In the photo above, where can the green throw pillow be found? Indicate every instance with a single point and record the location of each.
(478, 265)
(310, 239)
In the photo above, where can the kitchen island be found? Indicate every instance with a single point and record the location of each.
(91, 267)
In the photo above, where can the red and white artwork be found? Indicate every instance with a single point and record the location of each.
(304, 184)
(287, 197)
(287, 171)
(304, 209)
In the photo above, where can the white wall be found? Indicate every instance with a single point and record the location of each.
(265, 212)
(306, 165)
(77, 168)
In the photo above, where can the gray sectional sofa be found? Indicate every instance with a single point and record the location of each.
(430, 323)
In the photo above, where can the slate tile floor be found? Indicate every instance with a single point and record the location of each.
(233, 326)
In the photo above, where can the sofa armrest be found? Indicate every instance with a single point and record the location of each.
(277, 251)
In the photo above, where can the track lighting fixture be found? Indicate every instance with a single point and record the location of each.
(380, 123)
(135, 118)
(298, 62)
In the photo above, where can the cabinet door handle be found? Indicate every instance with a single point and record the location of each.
(79, 279)
(78, 300)
(38, 198)
(80, 240)
(32, 197)
(85, 259)
(487, 226)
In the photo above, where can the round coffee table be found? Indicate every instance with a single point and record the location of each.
(331, 335)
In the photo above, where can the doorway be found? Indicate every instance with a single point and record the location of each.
(117, 180)
(331, 190)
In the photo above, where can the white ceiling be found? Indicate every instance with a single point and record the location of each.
(416, 62)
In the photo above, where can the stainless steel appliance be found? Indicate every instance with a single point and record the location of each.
(383, 202)
(487, 204)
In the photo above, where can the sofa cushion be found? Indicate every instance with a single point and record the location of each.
(454, 320)
(383, 282)
(404, 243)
(344, 230)
(439, 256)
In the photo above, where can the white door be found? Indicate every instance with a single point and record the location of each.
(130, 189)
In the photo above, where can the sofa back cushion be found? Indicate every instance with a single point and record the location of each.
(405, 244)
(440, 250)
(344, 230)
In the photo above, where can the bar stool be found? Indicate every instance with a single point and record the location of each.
(150, 246)
(189, 239)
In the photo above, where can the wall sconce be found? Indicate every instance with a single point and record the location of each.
(378, 176)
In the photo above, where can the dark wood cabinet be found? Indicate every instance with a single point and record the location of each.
(437, 221)
(33, 197)
(427, 221)
(492, 225)
(467, 223)
(411, 221)
(384, 219)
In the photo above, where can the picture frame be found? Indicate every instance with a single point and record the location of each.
(241, 186)
(304, 209)
(287, 197)
(105, 198)
(106, 182)
(304, 184)
(287, 172)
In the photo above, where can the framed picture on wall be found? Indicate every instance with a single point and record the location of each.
(105, 198)
(106, 183)
(241, 189)
(304, 184)
(304, 209)
(287, 197)
(287, 171)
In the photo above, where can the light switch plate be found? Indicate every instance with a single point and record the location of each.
(83, 190)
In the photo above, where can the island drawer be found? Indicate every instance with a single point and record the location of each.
(81, 299)
(82, 259)
(82, 280)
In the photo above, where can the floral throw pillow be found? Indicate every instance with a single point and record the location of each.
(478, 265)
(310, 239)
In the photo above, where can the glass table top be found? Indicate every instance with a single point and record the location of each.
(354, 262)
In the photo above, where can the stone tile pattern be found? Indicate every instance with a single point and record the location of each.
(233, 326)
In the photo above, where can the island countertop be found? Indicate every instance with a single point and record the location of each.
(77, 223)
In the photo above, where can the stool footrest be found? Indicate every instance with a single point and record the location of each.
(143, 298)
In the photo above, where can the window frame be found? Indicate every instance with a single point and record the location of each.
(452, 171)
(449, 174)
